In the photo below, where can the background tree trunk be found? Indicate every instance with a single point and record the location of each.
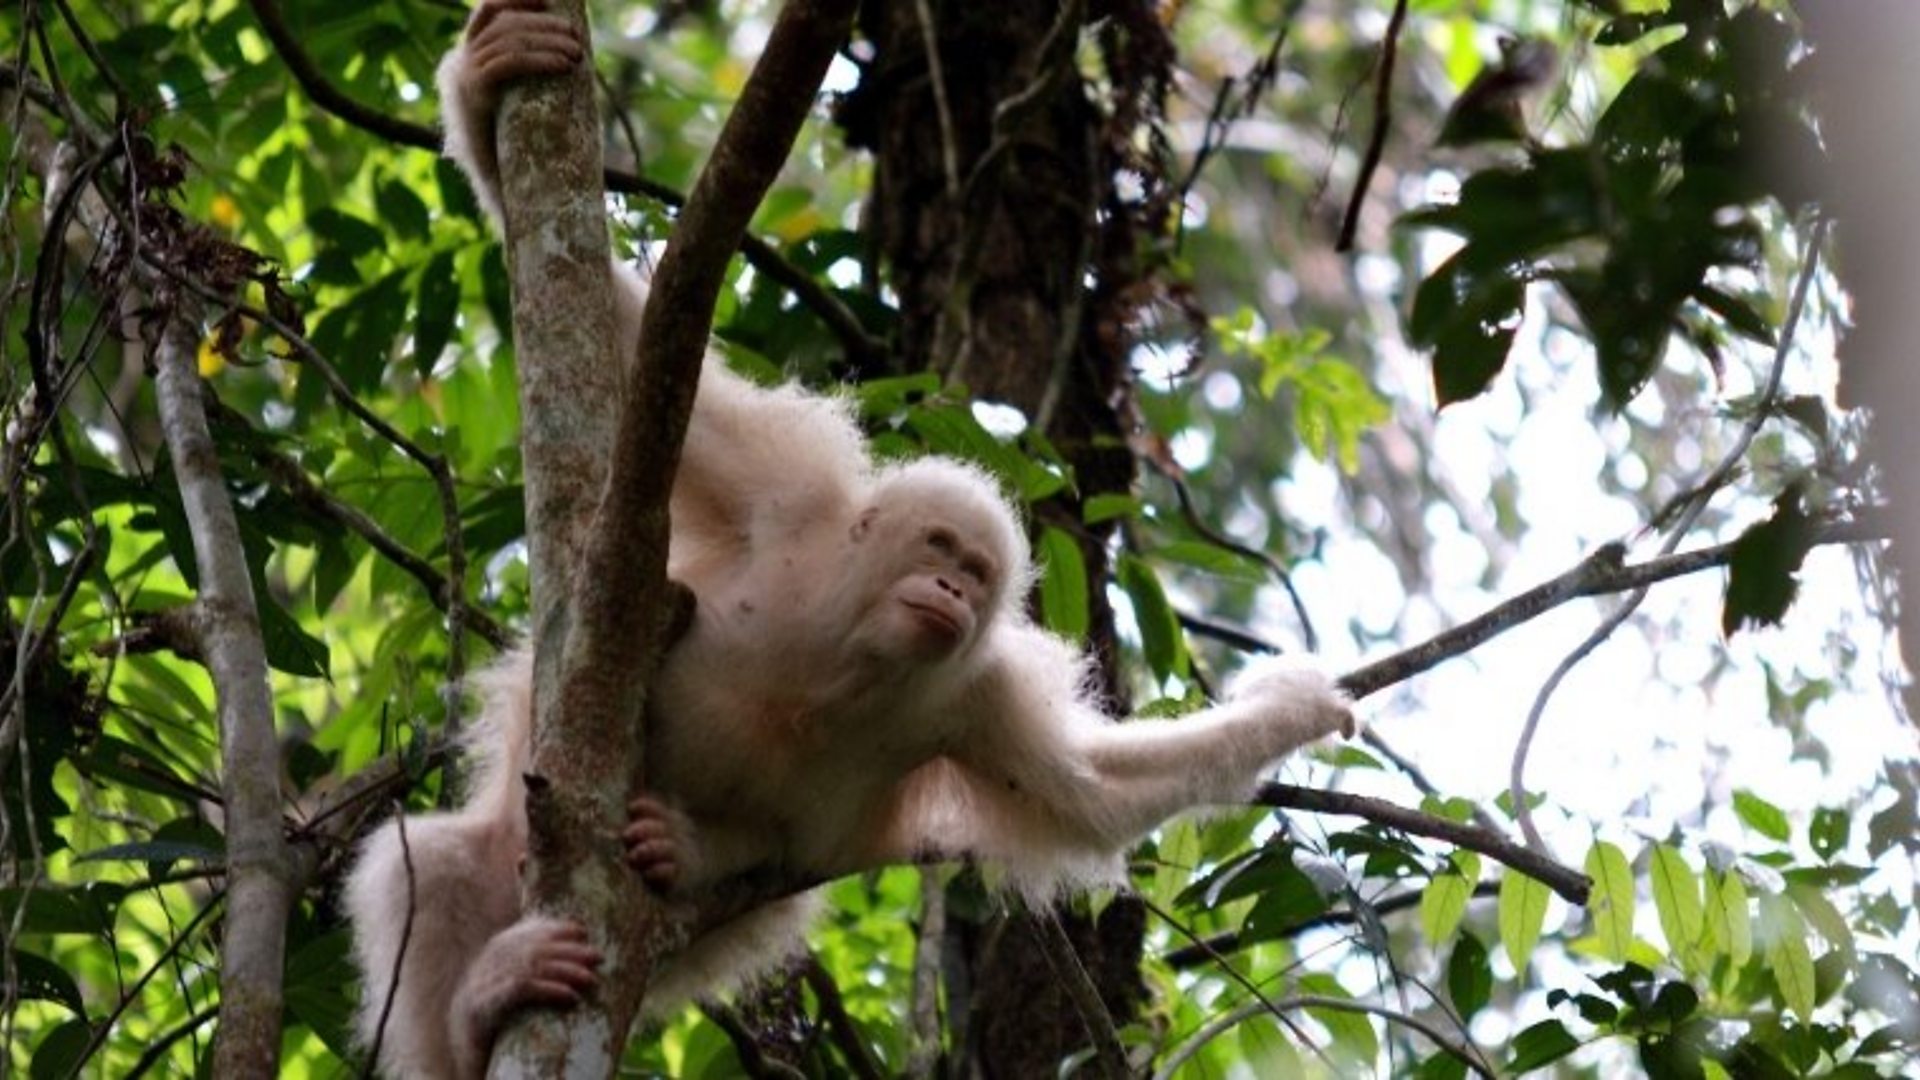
(992, 161)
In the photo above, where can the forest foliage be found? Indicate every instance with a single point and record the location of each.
(1614, 203)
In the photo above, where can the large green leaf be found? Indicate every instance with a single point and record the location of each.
(1610, 905)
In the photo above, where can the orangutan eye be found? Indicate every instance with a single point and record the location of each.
(942, 541)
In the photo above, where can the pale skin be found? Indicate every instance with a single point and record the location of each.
(859, 686)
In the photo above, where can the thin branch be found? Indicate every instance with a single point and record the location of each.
(1694, 502)
(1200, 952)
(254, 945)
(1299, 1034)
(840, 1024)
(1191, 512)
(1418, 777)
(763, 257)
(949, 151)
(1219, 1025)
(290, 477)
(158, 1048)
(1071, 975)
(1569, 883)
(754, 1061)
(1599, 574)
(104, 1026)
(400, 955)
(1226, 111)
(1382, 122)
(448, 593)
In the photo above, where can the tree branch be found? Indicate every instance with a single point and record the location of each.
(1199, 952)
(1599, 574)
(1108, 1055)
(260, 892)
(293, 479)
(1569, 883)
(1688, 508)
(603, 627)
(1382, 123)
(1219, 1025)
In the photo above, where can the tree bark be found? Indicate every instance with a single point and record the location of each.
(557, 257)
(600, 640)
(260, 877)
(991, 165)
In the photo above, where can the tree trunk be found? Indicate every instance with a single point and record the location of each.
(991, 164)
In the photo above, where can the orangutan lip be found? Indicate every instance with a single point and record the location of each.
(935, 615)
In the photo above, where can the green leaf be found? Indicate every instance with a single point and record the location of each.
(1676, 895)
(1160, 636)
(157, 852)
(1353, 1035)
(402, 210)
(1266, 1049)
(41, 979)
(1282, 906)
(1468, 317)
(438, 301)
(1611, 903)
(1829, 831)
(1738, 313)
(1063, 584)
(1103, 508)
(289, 647)
(1523, 908)
(344, 234)
(1762, 816)
(1789, 962)
(1760, 572)
(61, 1053)
(1826, 918)
(1729, 925)
(1469, 976)
(1541, 1044)
(1444, 903)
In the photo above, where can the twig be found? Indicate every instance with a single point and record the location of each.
(1382, 121)
(1418, 777)
(1236, 975)
(400, 955)
(1694, 502)
(1599, 574)
(1225, 112)
(754, 1061)
(158, 1048)
(293, 479)
(846, 1034)
(1212, 950)
(104, 1026)
(95, 57)
(1214, 536)
(1219, 1025)
(949, 152)
(1073, 978)
(1569, 883)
